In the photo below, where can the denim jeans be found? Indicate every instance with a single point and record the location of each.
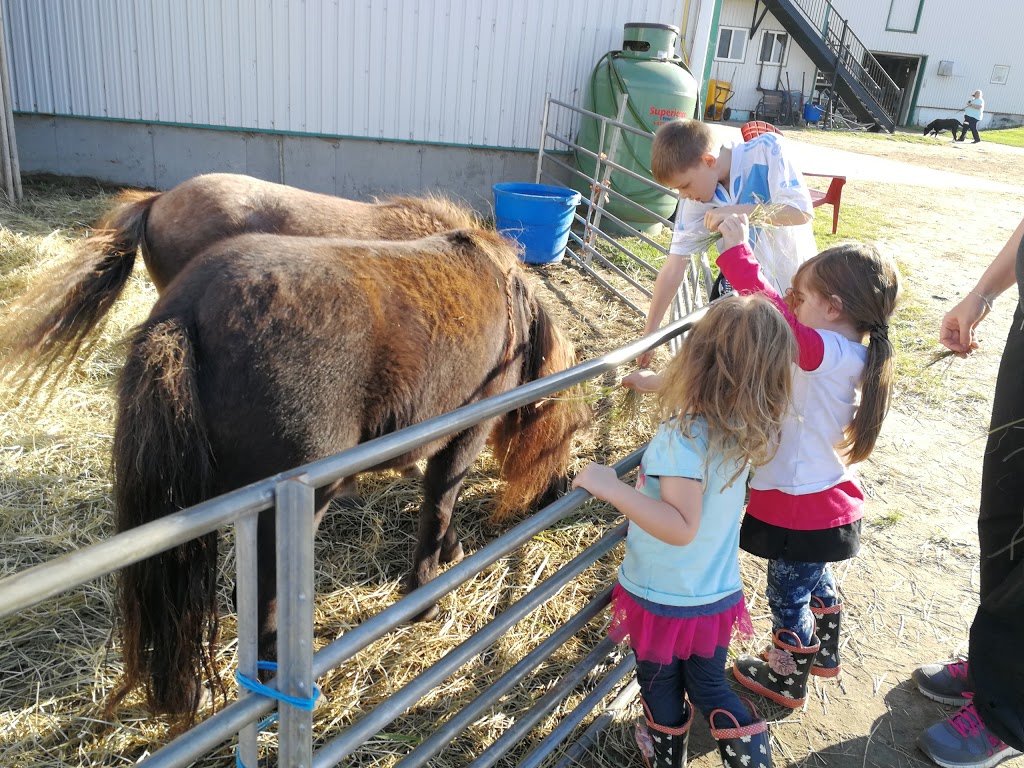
(664, 685)
(790, 586)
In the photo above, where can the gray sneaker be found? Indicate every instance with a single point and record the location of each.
(963, 741)
(945, 683)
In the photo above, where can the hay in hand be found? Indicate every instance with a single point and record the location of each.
(762, 217)
(939, 357)
(627, 407)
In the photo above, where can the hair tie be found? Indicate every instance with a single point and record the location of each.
(882, 329)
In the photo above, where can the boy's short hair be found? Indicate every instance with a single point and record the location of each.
(678, 146)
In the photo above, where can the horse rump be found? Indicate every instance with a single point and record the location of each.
(48, 331)
(302, 357)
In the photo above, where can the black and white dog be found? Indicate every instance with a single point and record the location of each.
(943, 125)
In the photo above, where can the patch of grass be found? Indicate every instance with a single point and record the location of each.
(887, 520)
(1012, 137)
(902, 135)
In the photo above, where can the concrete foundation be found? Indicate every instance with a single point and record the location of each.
(161, 156)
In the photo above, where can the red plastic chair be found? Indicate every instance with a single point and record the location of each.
(756, 128)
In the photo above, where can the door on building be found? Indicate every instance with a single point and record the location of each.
(903, 71)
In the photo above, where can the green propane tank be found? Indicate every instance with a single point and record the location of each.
(660, 88)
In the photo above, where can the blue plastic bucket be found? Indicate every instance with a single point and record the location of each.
(538, 216)
(813, 112)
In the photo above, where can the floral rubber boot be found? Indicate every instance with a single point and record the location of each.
(662, 746)
(741, 746)
(782, 676)
(827, 622)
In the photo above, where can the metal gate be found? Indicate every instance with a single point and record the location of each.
(291, 495)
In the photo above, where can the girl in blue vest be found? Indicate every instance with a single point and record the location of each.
(679, 594)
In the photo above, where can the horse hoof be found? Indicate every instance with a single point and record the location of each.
(455, 556)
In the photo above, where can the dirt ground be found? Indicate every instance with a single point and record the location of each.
(912, 592)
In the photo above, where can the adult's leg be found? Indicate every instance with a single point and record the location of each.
(996, 665)
(963, 130)
(974, 128)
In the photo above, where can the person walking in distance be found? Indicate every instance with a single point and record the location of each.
(973, 113)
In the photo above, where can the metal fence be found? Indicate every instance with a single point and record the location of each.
(292, 496)
(587, 233)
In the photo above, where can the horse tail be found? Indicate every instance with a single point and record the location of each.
(48, 327)
(162, 463)
(534, 443)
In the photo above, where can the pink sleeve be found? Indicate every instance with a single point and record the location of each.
(744, 273)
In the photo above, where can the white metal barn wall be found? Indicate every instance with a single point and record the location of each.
(461, 72)
(974, 37)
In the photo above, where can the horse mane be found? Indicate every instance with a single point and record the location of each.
(533, 444)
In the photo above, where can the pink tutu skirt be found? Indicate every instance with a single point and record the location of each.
(659, 639)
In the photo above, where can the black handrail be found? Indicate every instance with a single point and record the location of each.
(851, 54)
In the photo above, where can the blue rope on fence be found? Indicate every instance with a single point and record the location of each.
(255, 686)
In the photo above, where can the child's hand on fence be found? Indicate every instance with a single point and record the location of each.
(644, 381)
(735, 230)
(598, 479)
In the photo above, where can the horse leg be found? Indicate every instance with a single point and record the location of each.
(266, 579)
(438, 540)
(348, 493)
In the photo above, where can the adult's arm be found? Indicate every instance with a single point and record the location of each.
(959, 326)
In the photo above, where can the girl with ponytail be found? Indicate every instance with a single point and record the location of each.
(806, 504)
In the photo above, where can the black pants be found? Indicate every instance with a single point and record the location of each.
(996, 663)
(972, 123)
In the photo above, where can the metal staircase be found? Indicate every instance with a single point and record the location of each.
(825, 36)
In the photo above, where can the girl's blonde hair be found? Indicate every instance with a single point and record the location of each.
(866, 286)
(733, 369)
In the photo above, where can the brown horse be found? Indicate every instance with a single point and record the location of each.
(269, 352)
(49, 326)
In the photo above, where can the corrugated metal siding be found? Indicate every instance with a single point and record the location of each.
(470, 72)
(974, 37)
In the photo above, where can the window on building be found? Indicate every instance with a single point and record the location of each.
(904, 15)
(773, 47)
(732, 43)
(1000, 72)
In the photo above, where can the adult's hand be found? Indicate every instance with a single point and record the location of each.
(958, 331)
